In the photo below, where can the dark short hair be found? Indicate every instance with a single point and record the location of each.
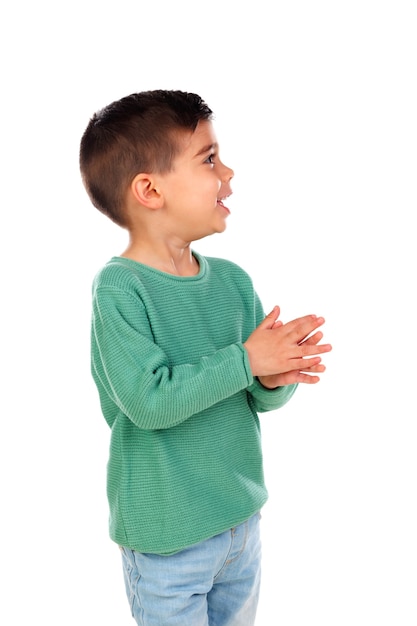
(138, 133)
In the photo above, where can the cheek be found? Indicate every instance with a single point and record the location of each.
(213, 185)
(205, 190)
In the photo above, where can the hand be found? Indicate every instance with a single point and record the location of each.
(296, 376)
(275, 348)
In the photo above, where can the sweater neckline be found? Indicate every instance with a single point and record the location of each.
(166, 275)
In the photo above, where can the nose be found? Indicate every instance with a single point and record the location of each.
(227, 173)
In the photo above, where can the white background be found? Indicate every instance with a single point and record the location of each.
(315, 107)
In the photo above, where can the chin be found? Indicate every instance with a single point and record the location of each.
(214, 231)
(219, 229)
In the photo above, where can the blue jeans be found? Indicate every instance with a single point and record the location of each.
(213, 583)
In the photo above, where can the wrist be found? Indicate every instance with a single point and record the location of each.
(263, 380)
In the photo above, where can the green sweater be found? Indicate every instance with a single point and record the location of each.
(177, 391)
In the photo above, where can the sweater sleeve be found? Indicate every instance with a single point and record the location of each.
(269, 399)
(134, 374)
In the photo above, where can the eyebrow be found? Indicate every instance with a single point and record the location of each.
(209, 148)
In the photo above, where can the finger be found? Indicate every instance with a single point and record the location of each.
(307, 350)
(305, 378)
(271, 320)
(304, 364)
(316, 369)
(300, 328)
(313, 340)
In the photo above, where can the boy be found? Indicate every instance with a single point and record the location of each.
(183, 360)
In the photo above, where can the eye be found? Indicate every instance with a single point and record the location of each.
(210, 158)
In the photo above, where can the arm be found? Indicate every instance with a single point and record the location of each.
(137, 376)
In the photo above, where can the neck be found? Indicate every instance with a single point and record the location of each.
(178, 261)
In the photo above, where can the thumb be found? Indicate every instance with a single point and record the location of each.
(270, 320)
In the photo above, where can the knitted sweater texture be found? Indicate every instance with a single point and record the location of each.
(176, 389)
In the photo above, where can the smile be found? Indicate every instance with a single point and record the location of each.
(220, 202)
(223, 198)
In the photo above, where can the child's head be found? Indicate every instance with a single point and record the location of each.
(139, 133)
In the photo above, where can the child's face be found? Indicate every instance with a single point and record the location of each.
(196, 186)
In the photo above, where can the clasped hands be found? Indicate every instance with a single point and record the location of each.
(283, 354)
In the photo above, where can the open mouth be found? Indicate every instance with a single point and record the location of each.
(221, 200)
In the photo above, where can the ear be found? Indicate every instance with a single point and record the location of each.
(145, 191)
